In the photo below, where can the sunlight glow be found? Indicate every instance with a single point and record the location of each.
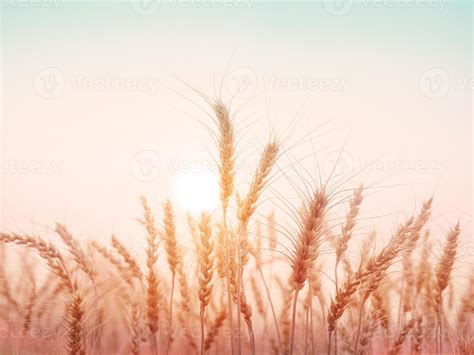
(196, 192)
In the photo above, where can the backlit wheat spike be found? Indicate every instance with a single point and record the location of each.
(368, 329)
(376, 265)
(247, 206)
(75, 331)
(206, 267)
(400, 339)
(123, 271)
(308, 240)
(424, 267)
(29, 307)
(442, 277)
(383, 315)
(47, 251)
(186, 306)
(169, 236)
(418, 336)
(445, 264)
(226, 146)
(214, 331)
(348, 227)
(206, 260)
(306, 251)
(152, 292)
(127, 257)
(257, 249)
(76, 250)
(184, 322)
(221, 252)
(172, 252)
(135, 329)
(467, 306)
(408, 281)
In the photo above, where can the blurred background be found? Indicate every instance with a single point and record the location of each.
(101, 104)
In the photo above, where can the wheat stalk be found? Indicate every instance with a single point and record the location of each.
(306, 249)
(152, 293)
(206, 267)
(400, 339)
(442, 276)
(226, 147)
(171, 248)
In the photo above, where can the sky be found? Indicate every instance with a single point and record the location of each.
(101, 104)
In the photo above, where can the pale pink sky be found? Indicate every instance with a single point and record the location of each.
(90, 95)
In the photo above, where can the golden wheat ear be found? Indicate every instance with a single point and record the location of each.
(128, 258)
(74, 247)
(226, 147)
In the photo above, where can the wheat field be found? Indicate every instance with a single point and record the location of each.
(239, 281)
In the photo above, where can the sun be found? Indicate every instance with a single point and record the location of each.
(196, 192)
